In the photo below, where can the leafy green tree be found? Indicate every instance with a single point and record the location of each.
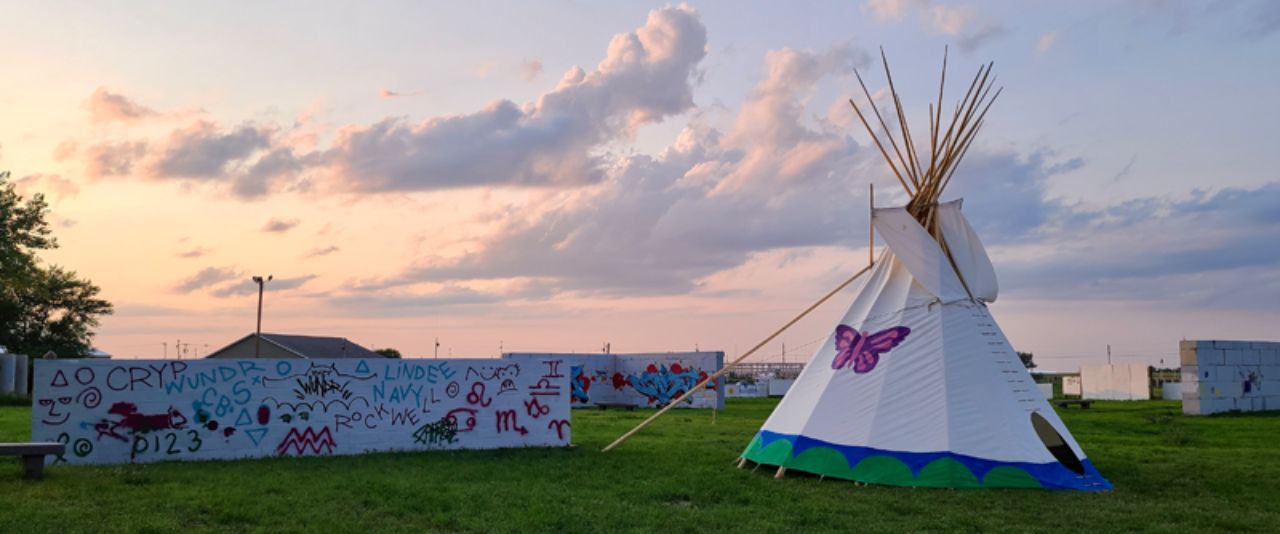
(42, 308)
(1027, 359)
(388, 352)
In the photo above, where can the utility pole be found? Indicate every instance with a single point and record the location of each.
(177, 348)
(784, 353)
(436, 354)
(257, 338)
(165, 347)
(1108, 354)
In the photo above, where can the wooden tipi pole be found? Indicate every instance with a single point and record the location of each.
(871, 225)
(711, 379)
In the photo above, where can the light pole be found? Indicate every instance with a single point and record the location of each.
(257, 339)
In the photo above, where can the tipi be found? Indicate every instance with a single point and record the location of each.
(917, 385)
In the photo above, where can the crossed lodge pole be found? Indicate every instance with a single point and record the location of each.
(711, 379)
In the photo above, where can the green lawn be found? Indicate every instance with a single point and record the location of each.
(1171, 473)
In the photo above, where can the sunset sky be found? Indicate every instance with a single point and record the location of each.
(547, 176)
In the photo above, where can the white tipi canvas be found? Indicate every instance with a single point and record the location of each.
(917, 385)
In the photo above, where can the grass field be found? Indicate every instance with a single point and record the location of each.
(1171, 473)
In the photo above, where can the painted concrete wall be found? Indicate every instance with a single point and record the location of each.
(1071, 385)
(1116, 382)
(642, 379)
(151, 410)
(743, 390)
(780, 386)
(1223, 376)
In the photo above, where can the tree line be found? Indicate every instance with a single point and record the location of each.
(42, 307)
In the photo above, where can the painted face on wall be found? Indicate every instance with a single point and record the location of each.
(507, 374)
(55, 416)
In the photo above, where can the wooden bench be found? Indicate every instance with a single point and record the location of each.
(33, 455)
(1083, 404)
(607, 405)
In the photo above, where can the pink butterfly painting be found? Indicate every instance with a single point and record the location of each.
(864, 349)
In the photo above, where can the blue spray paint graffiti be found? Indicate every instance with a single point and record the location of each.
(661, 385)
(580, 385)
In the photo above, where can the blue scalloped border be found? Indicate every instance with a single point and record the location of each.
(1050, 475)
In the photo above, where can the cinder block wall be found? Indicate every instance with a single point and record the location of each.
(1223, 376)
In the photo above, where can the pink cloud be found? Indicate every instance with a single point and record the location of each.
(705, 204)
(206, 278)
(530, 69)
(51, 185)
(960, 21)
(321, 251)
(105, 106)
(776, 145)
(65, 150)
(645, 76)
(279, 226)
(389, 94)
(554, 141)
(113, 158)
(205, 149)
(193, 253)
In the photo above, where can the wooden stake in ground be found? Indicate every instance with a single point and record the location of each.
(711, 379)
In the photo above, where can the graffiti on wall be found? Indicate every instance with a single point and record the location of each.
(661, 385)
(144, 411)
(640, 379)
(583, 380)
(1250, 380)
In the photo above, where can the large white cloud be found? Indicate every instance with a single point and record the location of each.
(645, 76)
(774, 176)
(557, 140)
(659, 224)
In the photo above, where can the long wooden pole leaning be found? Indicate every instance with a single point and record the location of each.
(723, 371)
(871, 224)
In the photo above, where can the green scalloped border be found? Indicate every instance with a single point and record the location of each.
(881, 469)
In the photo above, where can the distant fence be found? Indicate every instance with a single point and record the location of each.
(776, 369)
(747, 390)
(643, 379)
(13, 374)
(151, 410)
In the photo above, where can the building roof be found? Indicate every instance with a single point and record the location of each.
(311, 347)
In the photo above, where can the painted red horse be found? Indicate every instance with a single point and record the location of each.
(134, 421)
